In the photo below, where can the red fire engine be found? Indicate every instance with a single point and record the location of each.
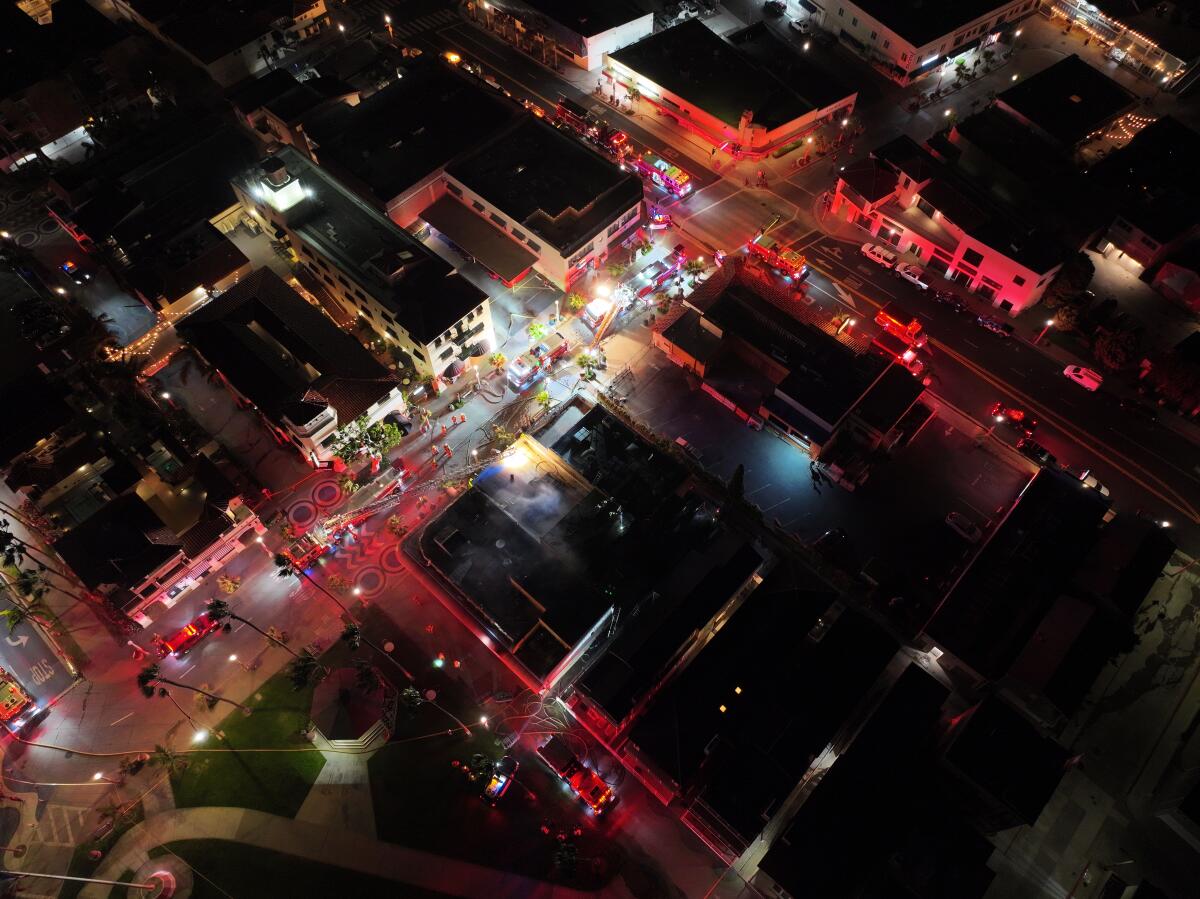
(897, 321)
(589, 127)
(788, 263)
(533, 365)
(666, 175)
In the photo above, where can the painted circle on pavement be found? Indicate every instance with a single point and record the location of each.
(391, 559)
(326, 494)
(370, 581)
(302, 513)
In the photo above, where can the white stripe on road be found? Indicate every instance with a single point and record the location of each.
(122, 718)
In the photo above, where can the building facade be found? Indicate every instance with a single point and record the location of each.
(580, 32)
(907, 42)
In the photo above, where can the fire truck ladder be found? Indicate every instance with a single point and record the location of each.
(604, 324)
(764, 231)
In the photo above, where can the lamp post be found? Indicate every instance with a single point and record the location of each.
(1049, 325)
(387, 22)
(161, 883)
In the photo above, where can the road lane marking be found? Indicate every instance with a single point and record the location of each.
(122, 718)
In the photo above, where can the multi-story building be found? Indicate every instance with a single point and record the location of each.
(748, 95)
(910, 40)
(580, 31)
(285, 358)
(543, 192)
(74, 68)
(227, 39)
(905, 197)
(373, 270)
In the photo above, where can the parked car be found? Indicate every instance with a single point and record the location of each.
(1084, 377)
(775, 7)
(1031, 449)
(1087, 479)
(912, 273)
(502, 779)
(186, 638)
(997, 327)
(1141, 410)
(964, 527)
(1017, 419)
(951, 299)
(799, 25)
(40, 321)
(880, 255)
(683, 444)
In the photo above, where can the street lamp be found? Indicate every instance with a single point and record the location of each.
(1049, 325)
(99, 775)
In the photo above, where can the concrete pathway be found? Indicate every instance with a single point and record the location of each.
(341, 795)
(352, 851)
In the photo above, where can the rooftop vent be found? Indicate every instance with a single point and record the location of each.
(275, 171)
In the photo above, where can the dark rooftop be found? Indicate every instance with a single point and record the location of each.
(989, 614)
(925, 22)
(418, 288)
(550, 183)
(588, 18)
(597, 521)
(32, 52)
(120, 544)
(740, 725)
(869, 178)
(487, 244)
(862, 809)
(282, 353)
(408, 130)
(1124, 564)
(1005, 756)
(1152, 178)
(213, 28)
(819, 85)
(36, 408)
(1069, 100)
(693, 62)
(889, 398)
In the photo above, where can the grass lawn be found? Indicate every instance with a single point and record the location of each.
(82, 866)
(275, 782)
(223, 869)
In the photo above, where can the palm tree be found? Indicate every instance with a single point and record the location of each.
(537, 331)
(219, 610)
(634, 94)
(303, 669)
(616, 268)
(498, 360)
(576, 301)
(544, 399)
(170, 761)
(151, 681)
(33, 608)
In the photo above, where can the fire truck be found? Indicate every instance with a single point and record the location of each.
(531, 366)
(897, 349)
(583, 781)
(897, 321)
(666, 175)
(17, 708)
(594, 130)
(788, 263)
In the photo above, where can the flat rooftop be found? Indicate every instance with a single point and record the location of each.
(862, 809)
(213, 28)
(923, 23)
(741, 724)
(1069, 100)
(417, 287)
(551, 184)
(995, 606)
(800, 72)
(693, 62)
(588, 18)
(407, 131)
(551, 538)
(283, 354)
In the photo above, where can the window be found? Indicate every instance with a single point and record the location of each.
(418, 354)
(343, 280)
(477, 206)
(324, 265)
(328, 280)
(533, 246)
(479, 309)
(873, 35)
(1147, 242)
(972, 257)
(925, 206)
(499, 221)
(437, 342)
(517, 234)
(841, 11)
(306, 251)
(358, 293)
(886, 43)
(854, 20)
(1018, 280)
(446, 353)
(454, 189)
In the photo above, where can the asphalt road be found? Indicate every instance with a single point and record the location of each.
(27, 653)
(1146, 465)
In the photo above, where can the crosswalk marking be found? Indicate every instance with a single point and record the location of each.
(60, 825)
(370, 19)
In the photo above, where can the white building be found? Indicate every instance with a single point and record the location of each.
(910, 40)
(582, 30)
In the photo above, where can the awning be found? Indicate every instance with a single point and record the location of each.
(490, 246)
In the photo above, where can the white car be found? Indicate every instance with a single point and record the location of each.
(800, 25)
(878, 254)
(964, 527)
(912, 273)
(1084, 377)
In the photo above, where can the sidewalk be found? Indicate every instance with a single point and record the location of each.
(422, 870)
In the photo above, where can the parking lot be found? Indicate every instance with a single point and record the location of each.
(941, 470)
